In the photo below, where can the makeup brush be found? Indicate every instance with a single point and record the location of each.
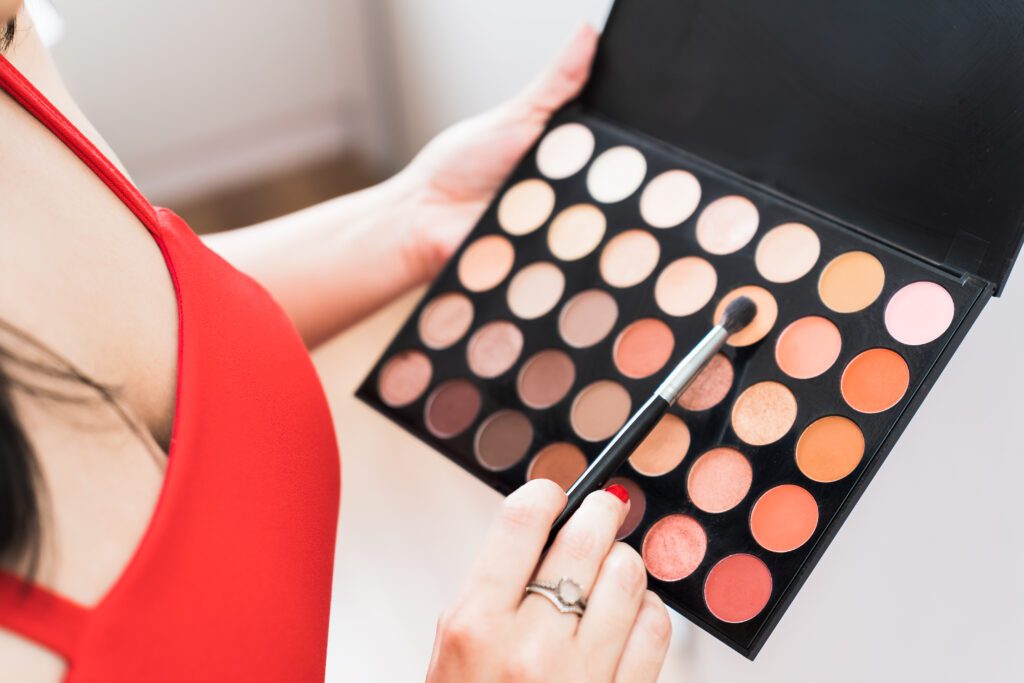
(738, 314)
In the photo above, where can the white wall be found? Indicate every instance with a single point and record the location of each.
(195, 95)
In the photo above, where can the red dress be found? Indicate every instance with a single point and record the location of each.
(232, 578)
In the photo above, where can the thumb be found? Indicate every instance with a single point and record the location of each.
(563, 79)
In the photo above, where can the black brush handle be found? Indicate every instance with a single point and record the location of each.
(611, 458)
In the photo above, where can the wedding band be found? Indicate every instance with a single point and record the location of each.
(565, 594)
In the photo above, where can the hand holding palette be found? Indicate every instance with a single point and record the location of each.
(811, 158)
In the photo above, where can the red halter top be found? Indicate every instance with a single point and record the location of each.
(232, 578)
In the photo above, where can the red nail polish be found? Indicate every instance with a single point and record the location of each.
(619, 492)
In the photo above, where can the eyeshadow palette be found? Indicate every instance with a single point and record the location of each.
(603, 260)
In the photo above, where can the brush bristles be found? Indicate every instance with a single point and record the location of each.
(738, 314)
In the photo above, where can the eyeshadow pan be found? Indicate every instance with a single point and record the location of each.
(525, 206)
(485, 263)
(851, 282)
(502, 440)
(727, 224)
(599, 410)
(784, 518)
(565, 150)
(616, 173)
(674, 547)
(830, 449)
(919, 313)
(404, 378)
(587, 318)
(445, 320)
(629, 258)
(875, 380)
(560, 462)
(663, 449)
(669, 199)
(546, 378)
(576, 231)
(710, 386)
(808, 347)
(643, 348)
(764, 413)
(451, 408)
(787, 252)
(719, 479)
(535, 290)
(494, 348)
(738, 588)
(637, 506)
(685, 286)
(764, 320)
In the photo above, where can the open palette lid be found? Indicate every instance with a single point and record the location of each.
(904, 120)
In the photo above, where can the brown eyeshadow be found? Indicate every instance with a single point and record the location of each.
(587, 318)
(546, 378)
(560, 462)
(503, 439)
(599, 410)
(451, 408)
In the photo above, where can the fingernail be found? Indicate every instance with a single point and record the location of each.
(619, 492)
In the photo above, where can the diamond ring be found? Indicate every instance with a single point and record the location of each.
(565, 594)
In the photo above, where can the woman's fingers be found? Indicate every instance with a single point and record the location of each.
(565, 77)
(645, 650)
(513, 545)
(612, 608)
(578, 552)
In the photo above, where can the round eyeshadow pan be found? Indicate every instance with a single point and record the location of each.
(808, 347)
(727, 224)
(445, 320)
(764, 320)
(545, 379)
(663, 449)
(451, 408)
(875, 380)
(404, 378)
(629, 258)
(710, 387)
(737, 588)
(919, 313)
(576, 231)
(685, 286)
(829, 449)
(502, 440)
(719, 480)
(494, 348)
(851, 282)
(616, 173)
(784, 518)
(587, 318)
(787, 252)
(560, 462)
(535, 290)
(599, 410)
(485, 263)
(643, 348)
(565, 150)
(669, 199)
(637, 506)
(525, 206)
(764, 413)
(674, 547)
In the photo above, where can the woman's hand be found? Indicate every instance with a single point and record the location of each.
(494, 633)
(457, 174)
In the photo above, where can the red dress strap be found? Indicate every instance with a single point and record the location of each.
(41, 616)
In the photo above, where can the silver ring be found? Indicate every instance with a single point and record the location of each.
(565, 594)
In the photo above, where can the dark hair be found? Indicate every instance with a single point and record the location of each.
(35, 370)
(7, 34)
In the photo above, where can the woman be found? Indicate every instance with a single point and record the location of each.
(168, 469)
